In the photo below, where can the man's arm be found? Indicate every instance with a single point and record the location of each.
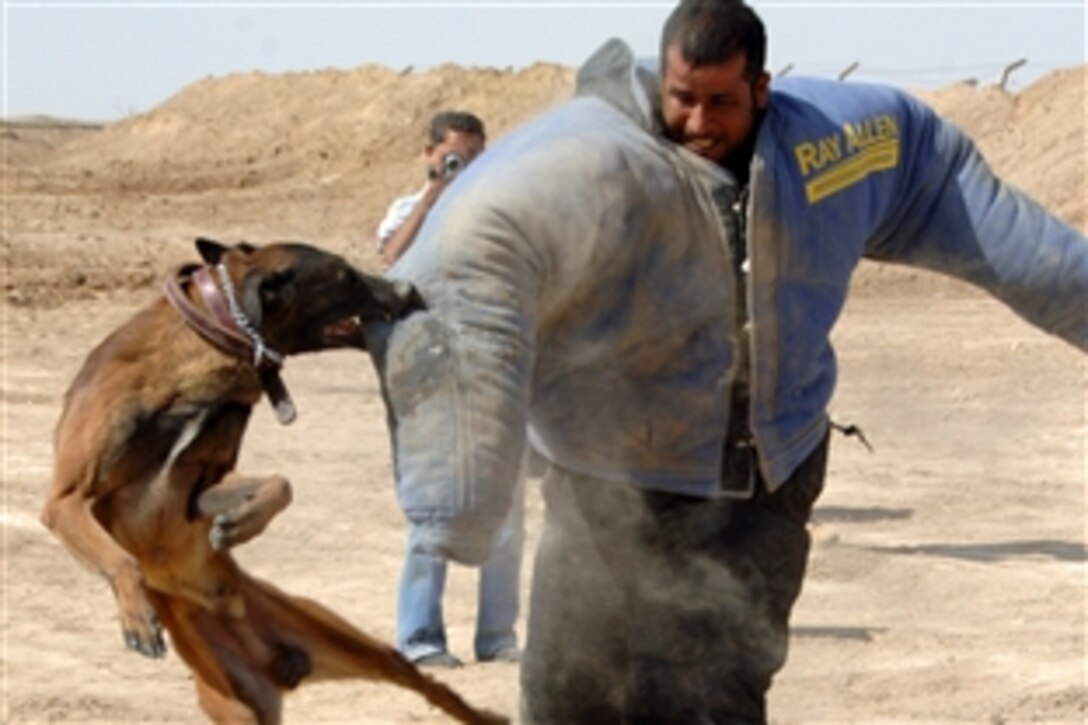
(982, 230)
(397, 243)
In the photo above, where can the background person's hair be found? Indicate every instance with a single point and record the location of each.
(461, 121)
(713, 31)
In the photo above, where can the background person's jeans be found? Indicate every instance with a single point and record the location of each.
(420, 625)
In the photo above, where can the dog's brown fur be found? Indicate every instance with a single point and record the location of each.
(145, 493)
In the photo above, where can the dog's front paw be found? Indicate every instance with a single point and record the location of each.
(226, 531)
(241, 508)
(231, 529)
(143, 632)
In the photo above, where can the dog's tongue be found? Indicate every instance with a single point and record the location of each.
(348, 331)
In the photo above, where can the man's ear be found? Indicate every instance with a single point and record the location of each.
(763, 90)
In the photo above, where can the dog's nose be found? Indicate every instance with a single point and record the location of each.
(407, 297)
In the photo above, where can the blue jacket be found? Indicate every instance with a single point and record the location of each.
(578, 278)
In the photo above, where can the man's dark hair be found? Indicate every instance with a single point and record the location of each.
(713, 31)
(461, 121)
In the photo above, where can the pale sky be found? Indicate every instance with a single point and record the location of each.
(107, 60)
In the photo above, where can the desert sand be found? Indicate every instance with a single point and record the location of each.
(947, 581)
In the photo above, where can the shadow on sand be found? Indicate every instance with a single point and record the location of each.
(849, 515)
(996, 551)
(856, 634)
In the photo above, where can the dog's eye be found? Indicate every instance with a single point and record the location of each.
(274, 285)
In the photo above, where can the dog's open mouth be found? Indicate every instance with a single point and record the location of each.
(345, 333)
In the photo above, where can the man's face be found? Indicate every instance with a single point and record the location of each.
(710, 109)
(466, 145)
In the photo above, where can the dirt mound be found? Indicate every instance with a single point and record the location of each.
(327, 127)
(318, 155)
(1034, 139)
(30, 138)
(315, 156)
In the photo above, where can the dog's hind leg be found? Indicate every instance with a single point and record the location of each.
(335, 649)
(72, 521)
(241, 506)
(231, 677)
(221, 708)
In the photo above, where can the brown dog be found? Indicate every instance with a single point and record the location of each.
(145, 493)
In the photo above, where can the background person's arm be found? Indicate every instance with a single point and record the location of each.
(402, 237)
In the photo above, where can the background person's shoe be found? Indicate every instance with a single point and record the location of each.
(438, 659)
(505, 654)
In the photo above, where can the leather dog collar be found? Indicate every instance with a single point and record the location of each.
(223, 325)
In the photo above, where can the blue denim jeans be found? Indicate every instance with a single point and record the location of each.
(420, 627)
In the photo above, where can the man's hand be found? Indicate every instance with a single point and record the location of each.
(444, 161)
(450, 165)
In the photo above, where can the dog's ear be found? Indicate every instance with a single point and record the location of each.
(210, 250)
(408, 297)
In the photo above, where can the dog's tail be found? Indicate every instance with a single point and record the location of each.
(336, 649)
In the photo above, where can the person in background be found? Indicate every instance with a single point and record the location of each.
(647, 276)
(455, 139)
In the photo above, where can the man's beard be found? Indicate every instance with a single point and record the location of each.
(739, 160)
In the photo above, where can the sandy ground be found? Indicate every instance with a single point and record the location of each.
(947, 583)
